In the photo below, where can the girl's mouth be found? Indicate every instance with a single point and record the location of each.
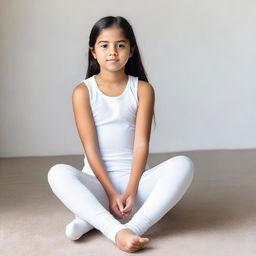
(113, 60)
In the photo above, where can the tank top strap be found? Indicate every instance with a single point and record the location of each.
(134, 88)
(91, 89)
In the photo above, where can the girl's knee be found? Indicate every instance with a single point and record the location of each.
(185, 159)
(189, 166)
(56, 171)
(185, 163)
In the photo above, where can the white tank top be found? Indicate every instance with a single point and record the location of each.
(114, 118)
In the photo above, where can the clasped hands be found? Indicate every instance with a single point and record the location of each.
(121, 205)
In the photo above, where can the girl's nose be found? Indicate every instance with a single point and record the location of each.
(112, 51)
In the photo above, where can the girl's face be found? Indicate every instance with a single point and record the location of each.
(112, 45)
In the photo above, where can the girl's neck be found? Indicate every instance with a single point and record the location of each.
(111, 78)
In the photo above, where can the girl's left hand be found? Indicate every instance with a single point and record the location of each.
(129, 201)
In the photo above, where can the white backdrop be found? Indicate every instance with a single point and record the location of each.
(200, 56)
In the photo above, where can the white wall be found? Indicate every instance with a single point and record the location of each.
(199, 56)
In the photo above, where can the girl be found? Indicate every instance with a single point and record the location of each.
(116, 192)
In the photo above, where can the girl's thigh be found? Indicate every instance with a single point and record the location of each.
(90, 182)
(148, 180)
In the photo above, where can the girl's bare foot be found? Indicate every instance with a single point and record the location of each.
(127, 241)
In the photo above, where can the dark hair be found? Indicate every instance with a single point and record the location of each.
(134, 66)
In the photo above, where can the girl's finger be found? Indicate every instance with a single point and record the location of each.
(120, 206)
(117, 210)
(126, 208)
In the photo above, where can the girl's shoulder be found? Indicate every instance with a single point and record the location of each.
(84, 85)
(81, 86)
(145, 89)
(81, 90)
(144, 83)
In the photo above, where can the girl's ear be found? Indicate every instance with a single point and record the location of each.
(92, 51)
(131, 52)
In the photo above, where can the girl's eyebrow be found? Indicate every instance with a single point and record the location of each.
(118, 41)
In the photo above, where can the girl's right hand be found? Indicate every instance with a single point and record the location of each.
(116, 205)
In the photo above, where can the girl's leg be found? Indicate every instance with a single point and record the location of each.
(85, 197)
(77, 227)
(160, 188)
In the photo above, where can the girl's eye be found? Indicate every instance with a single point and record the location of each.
(120, 45)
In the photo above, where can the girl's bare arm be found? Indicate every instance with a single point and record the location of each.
(144, 116)
(87, 133)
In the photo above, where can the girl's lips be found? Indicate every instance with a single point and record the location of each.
(113, 60)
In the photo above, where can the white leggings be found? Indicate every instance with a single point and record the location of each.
(160, 188)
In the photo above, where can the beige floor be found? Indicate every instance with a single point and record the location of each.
(217, 215)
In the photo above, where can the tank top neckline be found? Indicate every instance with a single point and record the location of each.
(112, 97)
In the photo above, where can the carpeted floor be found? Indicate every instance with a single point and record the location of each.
(217, 215)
